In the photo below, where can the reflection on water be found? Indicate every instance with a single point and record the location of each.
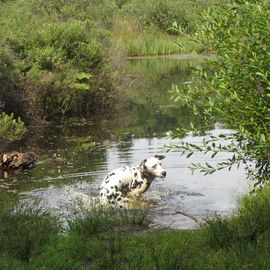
(76, 156)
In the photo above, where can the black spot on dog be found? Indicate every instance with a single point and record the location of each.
(135, 183)
(101, 193)
(112, 174)
(119, 199)
(120, 181)
(135, 174)
(109, 197)
(107, 190)
(107, 181)
(121, 206)
(112, 187)
(116, 188)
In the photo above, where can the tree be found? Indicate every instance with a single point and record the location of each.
(235, 86)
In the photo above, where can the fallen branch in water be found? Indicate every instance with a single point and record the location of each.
(189, 215)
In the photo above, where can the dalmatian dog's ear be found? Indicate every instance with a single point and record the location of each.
(143, 162)
(160, 157)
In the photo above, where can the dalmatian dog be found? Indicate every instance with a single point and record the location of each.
(130, 182)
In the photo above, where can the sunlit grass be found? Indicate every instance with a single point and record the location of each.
(149, 41)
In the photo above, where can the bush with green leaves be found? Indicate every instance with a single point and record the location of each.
(11, 129)
(234, 87)
(162, 14)
(58, 53)
(6, 62)
(251, 222)
(101, 12)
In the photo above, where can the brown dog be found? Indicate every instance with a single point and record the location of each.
(16, 160)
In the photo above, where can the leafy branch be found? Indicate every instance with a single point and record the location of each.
(213, 145)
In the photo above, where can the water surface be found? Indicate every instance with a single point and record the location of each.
(75, 157)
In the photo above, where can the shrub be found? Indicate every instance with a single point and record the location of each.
(6, 63)
(251, 222)
(63, 63)
(101, 12)
(235, 87)
(10, 128)
(162, 14)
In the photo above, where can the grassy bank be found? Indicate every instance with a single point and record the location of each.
(134, 41)
(146, 27)
(33, 239)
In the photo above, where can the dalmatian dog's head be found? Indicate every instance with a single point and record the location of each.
(152, 166)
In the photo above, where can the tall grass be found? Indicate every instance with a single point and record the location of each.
(149, 41)
(25, 230)
(31, 239)
(145, 27)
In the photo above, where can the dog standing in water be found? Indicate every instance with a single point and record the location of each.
(126, 182)
(14, 160)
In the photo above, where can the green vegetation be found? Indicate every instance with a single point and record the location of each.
(145, 27)
(112, 240)
(234, 86)
(10, 128)
(53, 54)
(136, 40)
(56, 55)
(58, 58)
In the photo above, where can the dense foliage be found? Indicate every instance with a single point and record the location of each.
(162, 14)
(59, 59)
(55, 53)
(234, 87)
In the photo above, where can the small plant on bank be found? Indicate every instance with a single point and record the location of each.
(25, 229)
(11, 129)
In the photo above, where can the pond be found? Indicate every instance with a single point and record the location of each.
(74, 158)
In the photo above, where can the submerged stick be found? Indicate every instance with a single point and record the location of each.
(188, 215)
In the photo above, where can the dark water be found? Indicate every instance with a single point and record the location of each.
(75, 157)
